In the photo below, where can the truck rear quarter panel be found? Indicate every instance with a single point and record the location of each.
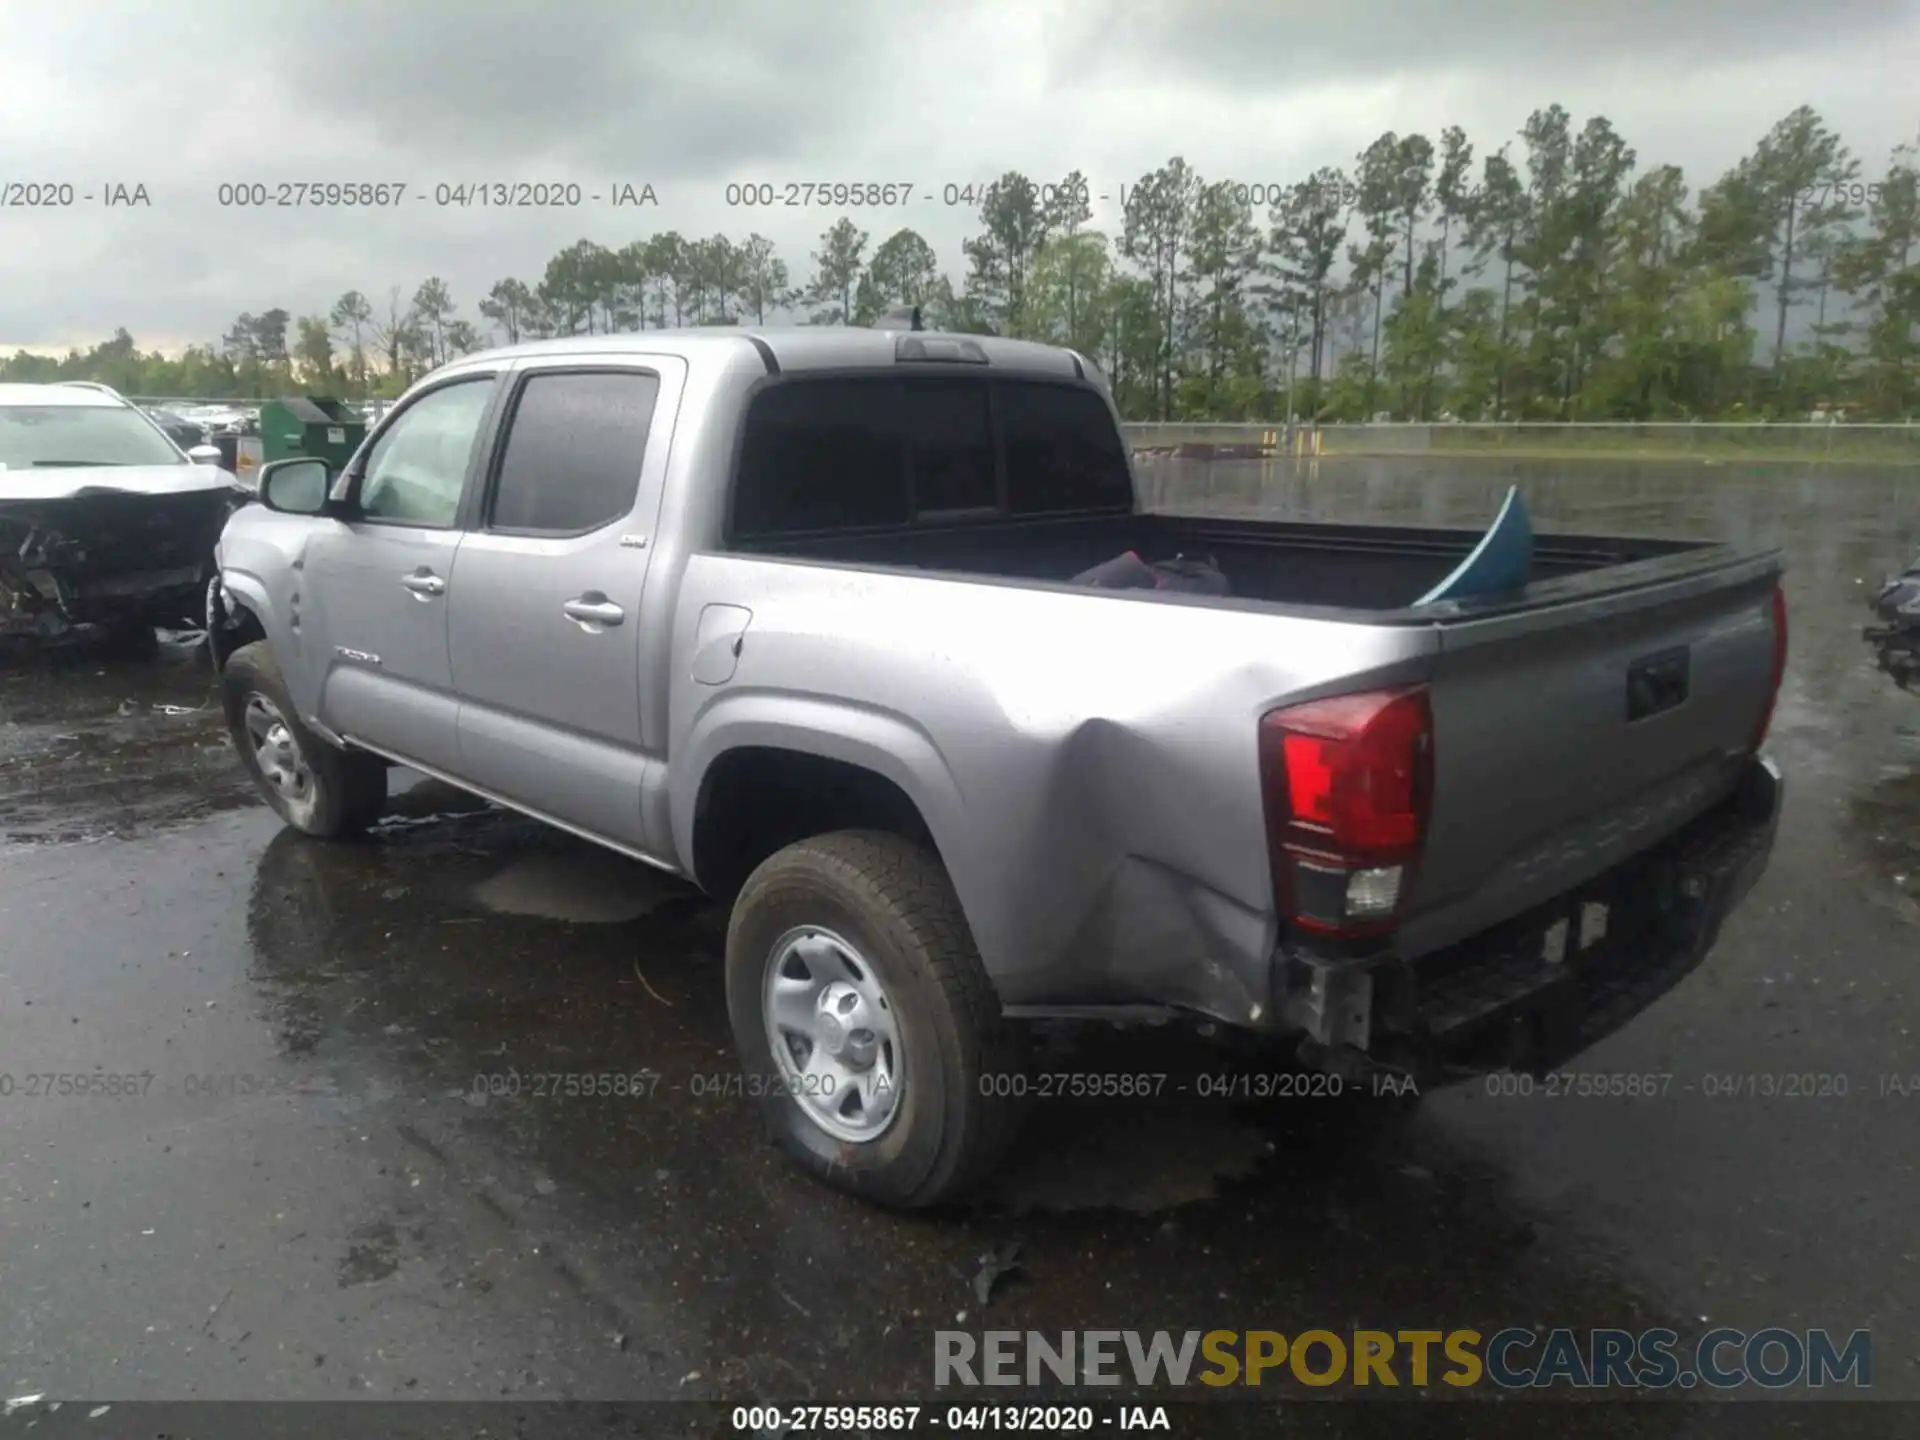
(1086, 764)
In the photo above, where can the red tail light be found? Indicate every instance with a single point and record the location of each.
(1779, 664)
(1347, 782)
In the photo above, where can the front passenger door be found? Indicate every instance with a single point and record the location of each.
(379, 579)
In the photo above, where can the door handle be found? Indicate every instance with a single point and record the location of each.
(424, 583)
(593, 611)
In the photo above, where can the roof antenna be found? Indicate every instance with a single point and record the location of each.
(904, 317)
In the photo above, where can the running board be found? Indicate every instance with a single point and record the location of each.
(532, 814)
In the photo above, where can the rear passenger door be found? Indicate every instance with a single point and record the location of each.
(545, 620)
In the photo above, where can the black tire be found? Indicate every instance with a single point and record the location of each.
(891, 899)
(345, 790)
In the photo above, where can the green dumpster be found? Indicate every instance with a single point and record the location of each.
(311, 426)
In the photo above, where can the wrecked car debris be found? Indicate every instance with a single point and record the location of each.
(1896, 639)
(104, 521)
(1181, 575)
(105, 556)
(998, 1263)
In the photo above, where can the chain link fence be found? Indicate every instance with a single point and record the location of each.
(196, 402)
(1730, 441)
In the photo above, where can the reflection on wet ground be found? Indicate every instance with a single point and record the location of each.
(91, 744)
(363, 1165)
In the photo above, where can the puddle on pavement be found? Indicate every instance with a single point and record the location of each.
(373, 1255)
(460, 942)
(480, 943)
(1128, 1158)
(583, 887)
(95, 745)
(1887, 822)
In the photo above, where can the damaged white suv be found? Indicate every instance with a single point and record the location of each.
(104, 520)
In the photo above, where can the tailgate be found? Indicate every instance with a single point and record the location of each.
(1577, 731)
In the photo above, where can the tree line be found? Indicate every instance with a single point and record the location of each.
(1552, 278)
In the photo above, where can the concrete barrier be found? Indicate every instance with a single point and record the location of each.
(1708, 442)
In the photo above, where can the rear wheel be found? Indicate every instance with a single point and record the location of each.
(318, 788)
(865, 1022)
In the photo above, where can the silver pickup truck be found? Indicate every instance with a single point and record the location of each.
(794, 614)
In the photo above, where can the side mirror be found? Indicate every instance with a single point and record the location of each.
(295, 487)
(204, 455)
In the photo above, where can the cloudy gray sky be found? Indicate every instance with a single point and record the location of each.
(689, 96)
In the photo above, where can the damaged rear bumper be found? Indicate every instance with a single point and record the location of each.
(1547, 984)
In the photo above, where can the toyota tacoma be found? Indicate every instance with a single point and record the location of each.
(803, 615)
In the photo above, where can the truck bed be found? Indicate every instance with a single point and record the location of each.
(1613, 699)
(1296, 563)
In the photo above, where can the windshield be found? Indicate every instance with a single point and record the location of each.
(49, 435)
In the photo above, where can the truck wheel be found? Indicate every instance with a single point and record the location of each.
(315, 787)
(865, 1022)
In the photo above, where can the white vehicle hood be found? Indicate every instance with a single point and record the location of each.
(78, 482)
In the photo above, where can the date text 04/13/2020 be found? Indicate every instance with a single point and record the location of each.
(461, 195)
(909, 1419)
(1225, 1085)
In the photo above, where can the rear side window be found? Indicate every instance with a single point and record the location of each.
(1063, 450)
(875, 451)
(574, 450)
(822, 455)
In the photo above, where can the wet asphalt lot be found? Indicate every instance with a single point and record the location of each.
(310, 1199)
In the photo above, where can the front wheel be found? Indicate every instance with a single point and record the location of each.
(315, 787)
(865, 1022)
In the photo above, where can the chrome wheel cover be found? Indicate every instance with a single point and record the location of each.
(834, 1034)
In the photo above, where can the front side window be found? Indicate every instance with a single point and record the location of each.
(417, 470)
